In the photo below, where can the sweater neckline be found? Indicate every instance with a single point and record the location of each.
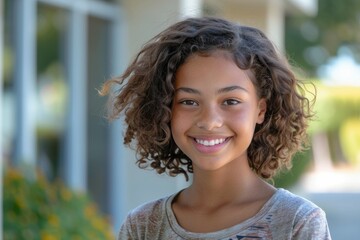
(224, 232)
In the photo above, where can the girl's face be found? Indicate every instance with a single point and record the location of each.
(215, 111)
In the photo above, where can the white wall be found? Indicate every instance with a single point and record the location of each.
(144, 19)
(268, 16)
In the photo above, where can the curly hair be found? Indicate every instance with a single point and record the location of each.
(147, 91)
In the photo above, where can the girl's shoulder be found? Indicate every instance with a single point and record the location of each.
(149, 209)
(288, 200)
(308, 221)
(287, 205)
(145, 221)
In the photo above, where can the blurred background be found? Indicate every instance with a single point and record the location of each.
(65, 172)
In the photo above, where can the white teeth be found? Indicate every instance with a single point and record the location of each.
(210, 142)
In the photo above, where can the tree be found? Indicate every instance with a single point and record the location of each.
(311, 41)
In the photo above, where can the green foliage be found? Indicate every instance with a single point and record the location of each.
(296, 43)
(332, 28)
(41, 210)
(333, 106)
(350, 140)
(300, 163)
(50, 27)
(337, 20)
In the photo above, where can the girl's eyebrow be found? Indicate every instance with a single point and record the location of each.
(221, 90)
(187, 90)
(232, 88)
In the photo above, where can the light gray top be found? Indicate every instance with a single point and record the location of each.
(283, 216)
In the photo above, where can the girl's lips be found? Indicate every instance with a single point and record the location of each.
(208, 145)
(210, 142)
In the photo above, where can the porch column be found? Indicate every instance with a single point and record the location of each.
(75, 141)
(25, 83)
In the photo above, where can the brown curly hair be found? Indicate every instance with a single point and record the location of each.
(147, 90)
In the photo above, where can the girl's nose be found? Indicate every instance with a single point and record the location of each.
(209, 119)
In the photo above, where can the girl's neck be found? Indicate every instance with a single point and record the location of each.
(224, 186)
(221, 198)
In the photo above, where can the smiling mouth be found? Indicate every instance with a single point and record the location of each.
(209, 143)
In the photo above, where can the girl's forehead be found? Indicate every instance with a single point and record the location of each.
(212, 72)
(217, 54)
(220, 53)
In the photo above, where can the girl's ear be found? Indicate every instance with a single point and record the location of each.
(262, 110)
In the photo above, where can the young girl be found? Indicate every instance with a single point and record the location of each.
(214, 99)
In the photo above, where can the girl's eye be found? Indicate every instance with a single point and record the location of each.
(231, 102)
(189, 102)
